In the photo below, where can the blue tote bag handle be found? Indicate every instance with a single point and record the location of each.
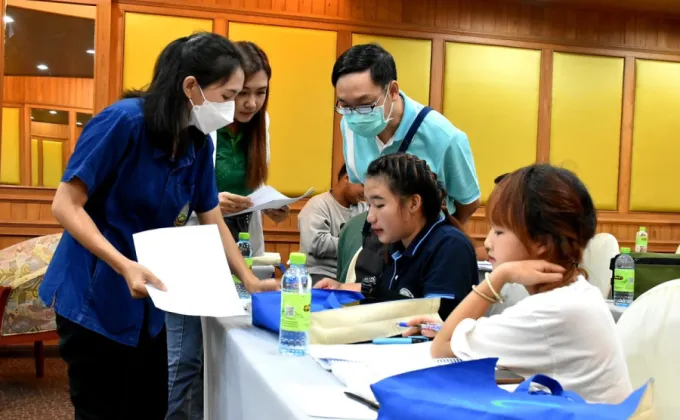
(548, 382)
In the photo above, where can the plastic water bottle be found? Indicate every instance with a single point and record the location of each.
(244, 245)
(296, 301)
(641, 240)
(624, 278)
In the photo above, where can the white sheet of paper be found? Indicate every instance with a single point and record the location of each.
(268, 198)
(331, 402)
(396, 353)
(190, 261)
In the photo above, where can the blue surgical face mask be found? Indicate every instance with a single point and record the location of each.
(371, 124)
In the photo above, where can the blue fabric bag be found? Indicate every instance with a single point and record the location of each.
(468, 390)
(266, 306)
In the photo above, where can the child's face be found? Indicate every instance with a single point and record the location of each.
(504, 246)
(388, 219)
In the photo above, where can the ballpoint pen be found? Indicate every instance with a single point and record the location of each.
(400, 340)
(426, 327)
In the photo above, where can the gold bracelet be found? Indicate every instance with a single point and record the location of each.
(482, 295)
(498, 297)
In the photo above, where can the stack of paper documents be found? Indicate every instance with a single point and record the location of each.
(268, 198)
(358, 366)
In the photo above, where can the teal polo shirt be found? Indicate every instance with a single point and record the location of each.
(445, 148)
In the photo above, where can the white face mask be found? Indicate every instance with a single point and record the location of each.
(211, 116)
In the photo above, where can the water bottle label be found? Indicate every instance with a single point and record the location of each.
(624, 280)
(295, 311)
(641, 241)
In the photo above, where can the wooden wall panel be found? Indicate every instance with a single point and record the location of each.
(534, 25)
(586, 115)
(53, 131)
(58, 91)
(25, 212)
(10, 151)
(312, 133)
(553, 23)
(499, 85)
(656, 138)
(146, 36)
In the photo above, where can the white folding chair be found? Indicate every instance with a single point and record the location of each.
(596, 258)
(648, 330)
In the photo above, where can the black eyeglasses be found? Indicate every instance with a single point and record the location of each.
(362, 109)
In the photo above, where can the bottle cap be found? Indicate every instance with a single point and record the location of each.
(625, 250)
(643, 229)
(297, 258)
(244, 236)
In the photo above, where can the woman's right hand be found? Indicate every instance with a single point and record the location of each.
(329, 284)
(232, 203)
(529, 272)
(137, 277)
(414, 326)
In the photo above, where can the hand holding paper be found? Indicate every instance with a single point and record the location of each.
(192, 265)
(268, 198)
(137, 277)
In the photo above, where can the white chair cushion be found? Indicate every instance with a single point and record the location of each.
(648, 330)
(596, 258)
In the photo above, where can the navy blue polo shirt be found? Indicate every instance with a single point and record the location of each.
(132, 187)
(439, 262)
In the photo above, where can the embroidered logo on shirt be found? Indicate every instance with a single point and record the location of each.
(406, 292)
(183, 216)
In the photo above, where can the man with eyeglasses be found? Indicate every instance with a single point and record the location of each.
(380, 119)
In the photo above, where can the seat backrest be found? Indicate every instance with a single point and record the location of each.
(351, 274)
(648, 330)
(25, 258)
(596, 258)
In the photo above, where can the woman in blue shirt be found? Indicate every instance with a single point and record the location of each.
(143, 163)
(427, 253)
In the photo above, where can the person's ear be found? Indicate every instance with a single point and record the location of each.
(540, 250)
(189, 86)
(394, 90)
(415, 202)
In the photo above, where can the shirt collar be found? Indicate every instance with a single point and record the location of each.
(407, 119)
(397, 249)
(227, 135)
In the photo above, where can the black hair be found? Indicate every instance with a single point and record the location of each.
(408, 175)
(342, 172)
(499, 178)
(210, 58)
(364, 57)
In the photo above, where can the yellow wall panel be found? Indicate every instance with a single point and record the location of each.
(300, 103)
(413, 58)
(491, 93)
(10, 165)
(145, 38)
(586, 122)
(53, 166)
(34, 163)
(656, 137)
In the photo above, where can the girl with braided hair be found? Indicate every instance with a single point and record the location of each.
(541, 219)
(427, 253)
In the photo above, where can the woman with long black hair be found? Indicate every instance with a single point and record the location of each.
(143, 163)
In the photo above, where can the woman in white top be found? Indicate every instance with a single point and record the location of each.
(541, 219)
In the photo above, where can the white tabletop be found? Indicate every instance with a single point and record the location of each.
(247, 379)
